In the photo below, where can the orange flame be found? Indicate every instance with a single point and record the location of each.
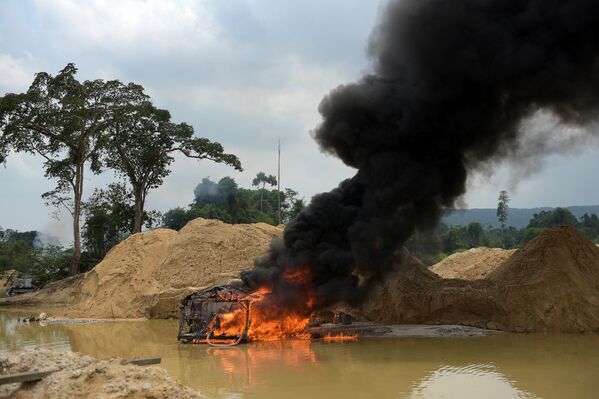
(268, 320)
(340, 338)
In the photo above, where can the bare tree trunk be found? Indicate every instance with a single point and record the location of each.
(261, 195)
(139, 209)
(78, 192)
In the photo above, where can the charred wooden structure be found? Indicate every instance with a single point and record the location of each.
(200, 314)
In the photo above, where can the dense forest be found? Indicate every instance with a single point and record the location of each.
(432, 246)
(228, 202)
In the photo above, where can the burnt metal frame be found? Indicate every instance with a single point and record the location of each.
(188, 317)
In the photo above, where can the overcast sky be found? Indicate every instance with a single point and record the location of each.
(242, 72)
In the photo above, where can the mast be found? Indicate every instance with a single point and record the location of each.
(279, 179)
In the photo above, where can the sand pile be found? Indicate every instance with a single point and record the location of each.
(206, 252)
(412, 294)
(550, 284)
(86, 377)
(147, 274)
(473, 264)
(121, 284)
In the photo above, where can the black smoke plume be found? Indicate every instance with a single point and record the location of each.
(451, 83)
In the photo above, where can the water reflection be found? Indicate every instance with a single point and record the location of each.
(250, 366)
(16, 335)
(470, 381)
(503, 366)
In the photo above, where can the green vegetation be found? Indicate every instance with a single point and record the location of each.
(110, 218)
(17, 251)
(430, 247)
(75, 126)
(141, 143)
(228, 202)
(261, 178)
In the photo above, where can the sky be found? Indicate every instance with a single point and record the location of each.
(245, 73)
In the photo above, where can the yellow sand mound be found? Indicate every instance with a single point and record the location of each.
(550, 284)
(472, 264)
(79, 376)
(147, 274)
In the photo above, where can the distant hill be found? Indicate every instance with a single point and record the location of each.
(517, 217)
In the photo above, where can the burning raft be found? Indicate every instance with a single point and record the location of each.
(201, 312)
(222, 315)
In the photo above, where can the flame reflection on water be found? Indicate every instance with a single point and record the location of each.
(249, 365)
(548, 366)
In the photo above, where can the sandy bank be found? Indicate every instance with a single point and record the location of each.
(80, 376)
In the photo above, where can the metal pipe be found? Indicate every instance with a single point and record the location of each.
(221, 345)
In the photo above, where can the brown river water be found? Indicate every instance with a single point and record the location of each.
(498, 366)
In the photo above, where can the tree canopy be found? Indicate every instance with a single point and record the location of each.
(556, 217)
(263, 179)
(99, 125)
(433, 245)
(143, 141)
(230, 203)
(502, 207)
(62, 120)
(109, 218)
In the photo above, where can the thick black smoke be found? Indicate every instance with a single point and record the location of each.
(452, 81)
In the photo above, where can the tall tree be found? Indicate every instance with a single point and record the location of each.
(62, 120)
(502, 207)
(262, 178)
(143, 142)
(109, 216)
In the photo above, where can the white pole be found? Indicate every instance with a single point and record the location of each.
(279, 180)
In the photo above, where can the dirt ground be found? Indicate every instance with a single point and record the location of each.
(80, 376)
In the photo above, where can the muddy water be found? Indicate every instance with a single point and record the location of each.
(503, 366)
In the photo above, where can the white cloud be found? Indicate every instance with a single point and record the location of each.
(150, 25)
(16, 74)
(26, 166)
(242, 72)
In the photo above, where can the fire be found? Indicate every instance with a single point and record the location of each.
(270, 320)
(340, 338)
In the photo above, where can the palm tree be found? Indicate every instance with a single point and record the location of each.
(261, 178)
